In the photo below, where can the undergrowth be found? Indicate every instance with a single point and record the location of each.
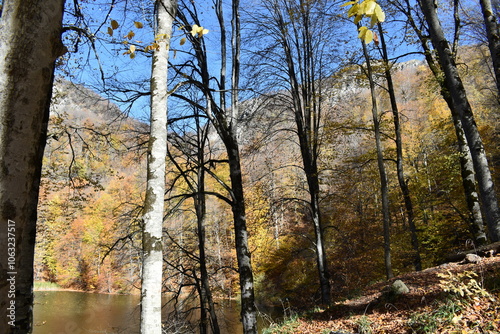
(456, 312)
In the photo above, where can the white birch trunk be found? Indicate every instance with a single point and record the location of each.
(30, 42)
(152, 246)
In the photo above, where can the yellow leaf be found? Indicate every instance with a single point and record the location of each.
(349, 3)
(379, 13)
(353, 10)
(194, 29)
(110, 31)
(114, 24)
(366, 35)
(138, 25)
(362, 31)
(370, 7)
(357, 19)
(183, 41)
(197, 30)
(132, 48)
(160, 37)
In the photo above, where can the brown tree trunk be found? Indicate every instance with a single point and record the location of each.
(405, 190)
(381, 168)
(30, 42)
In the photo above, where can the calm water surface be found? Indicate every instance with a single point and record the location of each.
(69, 312)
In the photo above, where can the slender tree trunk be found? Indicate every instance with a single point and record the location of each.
(405, 190)
(381, 168)
(248, 309)
(206, 300)
(469, 184)
(152, 246)
(493, 34)
(307, 115)
(463, 109)
(30, 42)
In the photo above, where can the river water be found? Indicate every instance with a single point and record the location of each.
(70, 312)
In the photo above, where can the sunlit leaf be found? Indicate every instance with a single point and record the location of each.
(366, 35)
(196, 30)
(114, 24)
(160, 37)
(349, 3)
(353, 10)
(138, 25)
(132, 48)
(370, 7)
(379, 13)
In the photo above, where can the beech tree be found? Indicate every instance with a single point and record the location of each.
(493, 34)
(458, 97)
(403, 183)
(469, 179)
(196, 72)
(375, 13)
(298, 55)
(30, 40)
(152, 268)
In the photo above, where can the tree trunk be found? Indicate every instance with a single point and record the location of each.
(469, 181)
(30, 42)
(381, 168)
(307, 115)
(463, 109)
(405, 190)
(206, 300)
(248, 309)
(152, 247)
(493, 34)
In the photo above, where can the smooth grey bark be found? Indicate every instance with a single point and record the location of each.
(381, 167)
(458, 96)
(493, 34)
(152, 224)
(405, 190)
(468, 174)
(30, 42)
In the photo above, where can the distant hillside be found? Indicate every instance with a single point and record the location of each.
(82, 103)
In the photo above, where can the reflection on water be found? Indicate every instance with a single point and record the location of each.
(69, 312)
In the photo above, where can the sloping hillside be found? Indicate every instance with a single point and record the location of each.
(451, 298)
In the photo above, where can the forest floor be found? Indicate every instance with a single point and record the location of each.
(451, 298)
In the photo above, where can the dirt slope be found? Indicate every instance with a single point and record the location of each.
(426, 308)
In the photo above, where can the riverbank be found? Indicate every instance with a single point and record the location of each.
(451, 298)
